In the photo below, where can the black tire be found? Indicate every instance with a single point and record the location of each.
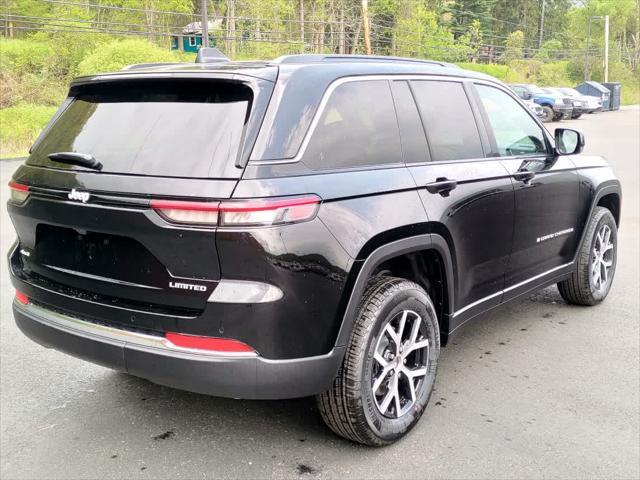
(548, 113)
(575, 117)
(350, 407)
(581, 288)
(557, 117)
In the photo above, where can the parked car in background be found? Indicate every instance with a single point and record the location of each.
(534, 108)
(594, 104)
(555, 106)
(579, 106)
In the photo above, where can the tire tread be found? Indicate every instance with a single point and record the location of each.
(576, 289)
(340, 406)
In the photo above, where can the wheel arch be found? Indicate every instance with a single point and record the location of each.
(611, 201)
(608, 195)
(409, 251)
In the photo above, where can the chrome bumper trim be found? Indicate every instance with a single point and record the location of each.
(117, 336)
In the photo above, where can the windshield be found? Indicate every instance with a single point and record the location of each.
(188, 128)
(535, 89)
(571, 92)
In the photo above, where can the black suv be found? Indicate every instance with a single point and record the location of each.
(313, 225)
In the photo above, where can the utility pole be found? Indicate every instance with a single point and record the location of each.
(606, 48)
(205, 25)
(541, 24)
(301, 26)
(365, 25)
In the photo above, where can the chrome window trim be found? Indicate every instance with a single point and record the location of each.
(340, 81)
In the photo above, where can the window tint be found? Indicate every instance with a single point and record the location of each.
(165, 128)
(357, 127)
(451, 128)
(516, 133)
(414, 142)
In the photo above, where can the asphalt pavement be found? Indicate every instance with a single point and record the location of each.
(536, 389)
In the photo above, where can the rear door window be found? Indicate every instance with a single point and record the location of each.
(357, 127)
(414, 141)
(187, 128)
(448, 119)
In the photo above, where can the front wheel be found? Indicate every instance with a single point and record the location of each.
(590, 283)
(547, 113)
(389, 368)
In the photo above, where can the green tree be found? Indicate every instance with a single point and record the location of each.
(514, 47)
(549, 50)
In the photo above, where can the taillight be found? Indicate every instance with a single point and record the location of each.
(268, 211)
(245, 213)
(203, 213)
(22, 298)
(216, 344)
(19, 192)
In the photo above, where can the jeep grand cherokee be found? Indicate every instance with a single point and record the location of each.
(313, 225)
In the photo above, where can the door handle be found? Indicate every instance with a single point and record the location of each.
(525, 176)
(442, 185)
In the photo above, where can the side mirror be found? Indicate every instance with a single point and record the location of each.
(526, 96)
(568, 142)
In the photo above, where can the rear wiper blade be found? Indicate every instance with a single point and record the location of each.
(73, 158)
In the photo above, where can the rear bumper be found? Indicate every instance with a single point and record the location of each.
(226, 375)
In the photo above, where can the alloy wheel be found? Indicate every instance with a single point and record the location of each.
(400, 363)
(602, 258)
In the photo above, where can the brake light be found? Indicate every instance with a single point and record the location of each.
(19, 192)
(22, 298)
(207, 343)
(262, 212)
(203, 213)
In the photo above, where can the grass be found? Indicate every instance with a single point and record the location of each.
(19, 127)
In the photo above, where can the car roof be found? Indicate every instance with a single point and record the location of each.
(327, 65)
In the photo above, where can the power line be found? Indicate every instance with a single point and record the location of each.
(123, 9)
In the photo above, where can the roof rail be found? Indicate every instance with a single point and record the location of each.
(138, 66)
(211, 55)
(318, 58)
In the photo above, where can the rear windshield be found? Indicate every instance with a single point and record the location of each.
(188, 128)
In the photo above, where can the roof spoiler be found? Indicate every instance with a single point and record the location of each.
(211, 55)
(138, 66)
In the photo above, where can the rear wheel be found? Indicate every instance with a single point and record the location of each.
(389, 368)
(590, 283)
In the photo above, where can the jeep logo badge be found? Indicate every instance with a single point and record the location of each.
(78, 195)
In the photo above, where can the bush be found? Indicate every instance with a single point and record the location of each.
(30, 88)
(28, 73)
(114, 55)
(19, 127)
(620, 72)
(498, 71)
(504, 73)
(554, 74)
(22, 56)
